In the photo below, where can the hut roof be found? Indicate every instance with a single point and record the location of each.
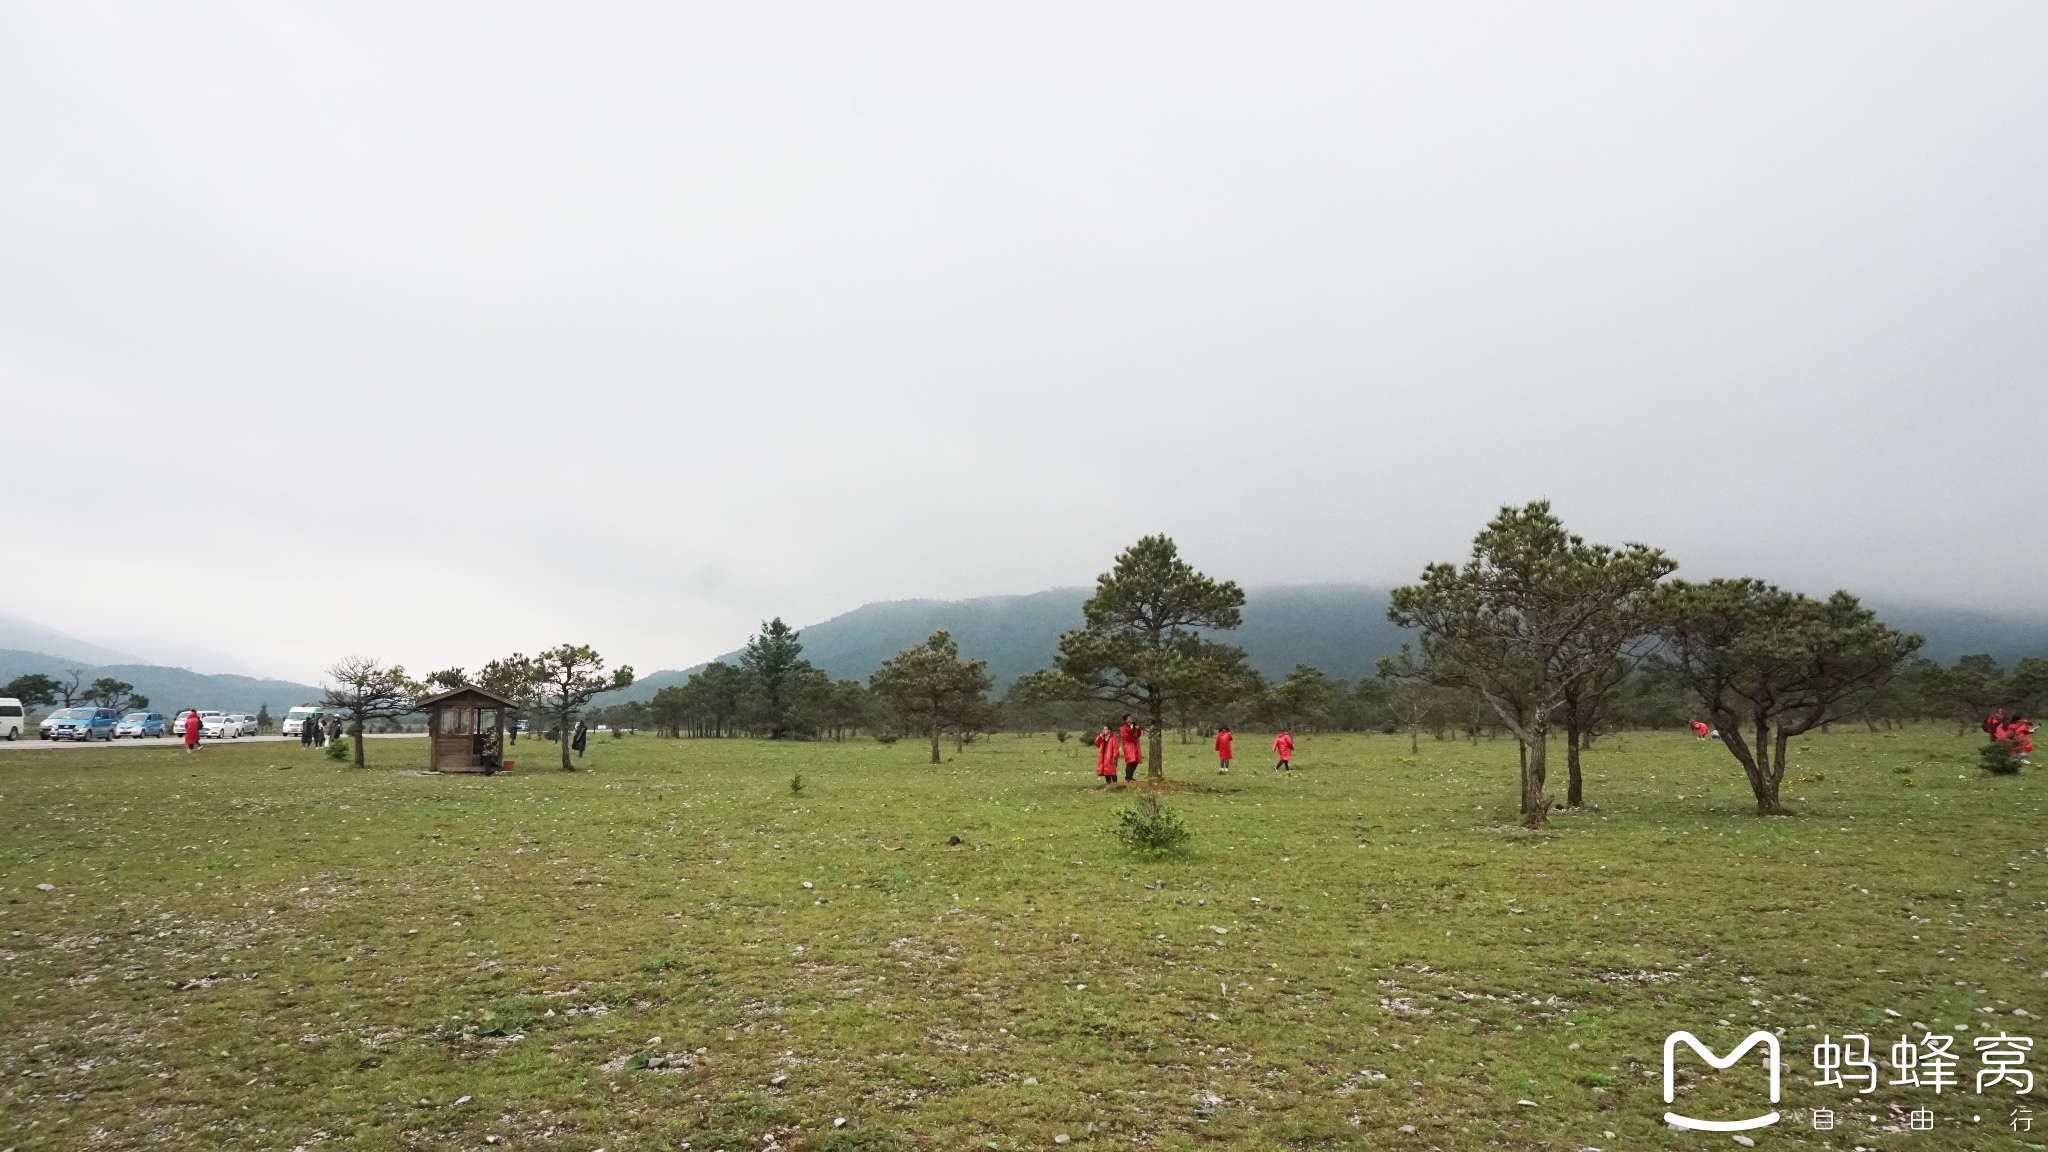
(466, 689)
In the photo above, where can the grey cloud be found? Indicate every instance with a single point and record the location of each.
(726, 311)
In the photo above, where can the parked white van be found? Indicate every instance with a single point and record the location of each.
(12, 717)
(298, 716)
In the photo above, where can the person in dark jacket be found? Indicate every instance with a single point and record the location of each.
(581, 738)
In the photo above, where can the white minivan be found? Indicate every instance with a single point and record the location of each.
(298, 716)
(12, 717)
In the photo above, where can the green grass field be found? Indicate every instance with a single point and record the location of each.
(256, 947)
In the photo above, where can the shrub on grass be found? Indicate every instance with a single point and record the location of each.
(337, 748)
(796, 784)
(509, 1017)
(503, 1023)
(1149, 827)
(1997, 757)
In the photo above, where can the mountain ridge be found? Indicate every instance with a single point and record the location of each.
(169, 689)
(1339, 628)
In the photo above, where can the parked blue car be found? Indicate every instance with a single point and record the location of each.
(140, 724)
(80, 724)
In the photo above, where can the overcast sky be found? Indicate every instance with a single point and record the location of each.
(437, 331)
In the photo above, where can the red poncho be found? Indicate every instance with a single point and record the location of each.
(1105, 754)
(2018, 733)
(1223, 744)
(1284, 745)
(1129, 735)
(192, 728)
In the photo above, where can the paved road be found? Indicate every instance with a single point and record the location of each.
(173, 742)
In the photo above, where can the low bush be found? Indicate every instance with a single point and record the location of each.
(1997, 757)
(1150, 827)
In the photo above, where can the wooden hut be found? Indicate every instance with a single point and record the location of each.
(465, 730)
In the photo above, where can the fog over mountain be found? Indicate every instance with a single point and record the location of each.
(169, 689)
(29, 637)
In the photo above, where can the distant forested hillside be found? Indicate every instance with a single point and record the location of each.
(1957, 632)
(1339, 628)
(169, 689)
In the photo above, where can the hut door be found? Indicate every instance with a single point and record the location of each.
(486, 738)
(454, 738)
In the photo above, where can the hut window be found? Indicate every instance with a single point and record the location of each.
(454, 721)
(487, 719)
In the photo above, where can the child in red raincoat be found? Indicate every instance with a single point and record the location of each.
(1699, 730)
(192, 732)
(1105, 755)
(1223, 749)
(1284, 745)
(1134, 755)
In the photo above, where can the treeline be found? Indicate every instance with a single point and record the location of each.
(1308, 701)
(772, 692)
(1963, 693)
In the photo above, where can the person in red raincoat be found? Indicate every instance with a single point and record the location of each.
(1223, 749)
(192, 731)
(1129, 736)
(1105, 755)
(1700, 729)
(2017, 733)
(1284, 745)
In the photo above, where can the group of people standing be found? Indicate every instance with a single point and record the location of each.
(313, 732)
(1126, 743)
(316, 732)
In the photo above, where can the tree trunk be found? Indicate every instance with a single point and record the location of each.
(1776, 774)
(935, 741)
(1575, 791)
(562, 731)
(1535, 806)
(1156, 771)
(1764, 776)
(1415, 740)
(359, 743)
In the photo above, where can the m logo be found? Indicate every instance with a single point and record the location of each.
(1770, 1044)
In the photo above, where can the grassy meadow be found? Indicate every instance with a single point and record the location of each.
(257, 947)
